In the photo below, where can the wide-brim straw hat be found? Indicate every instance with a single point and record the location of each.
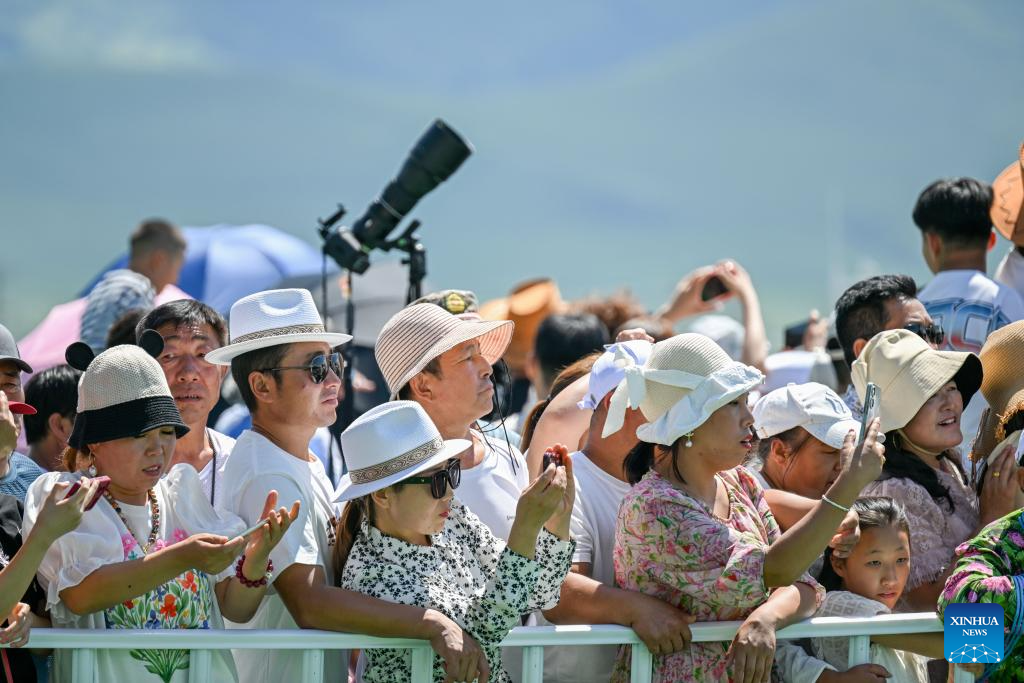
(389, 443)
(908, 372)
(420, 333)
(272, 318)
(528, 305)
(685, 379)
(122, 393)
(1002, 358)
(1008, 200)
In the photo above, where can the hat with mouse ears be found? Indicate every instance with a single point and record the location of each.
(122, 392)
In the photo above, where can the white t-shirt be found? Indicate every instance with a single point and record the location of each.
(255, 467)
(187, 601)
(1010, 271)
(594, 515)
(212, 476)
(970, 306)
(491, 489)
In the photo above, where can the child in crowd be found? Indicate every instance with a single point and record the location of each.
(870, 581)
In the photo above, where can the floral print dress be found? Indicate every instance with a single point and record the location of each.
(671, 546)
(186, 601)
(990, 568)
(467, 574)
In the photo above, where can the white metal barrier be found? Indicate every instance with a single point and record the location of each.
(533, 639)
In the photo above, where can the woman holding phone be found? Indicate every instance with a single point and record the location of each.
(153, 553)
(922, 397)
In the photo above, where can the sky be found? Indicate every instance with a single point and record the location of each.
(615, 145)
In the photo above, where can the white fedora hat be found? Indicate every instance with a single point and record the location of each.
(388, 443)
(420, 333)
(271, 318)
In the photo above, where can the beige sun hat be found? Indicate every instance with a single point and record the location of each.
(1002, 358)
(685, 379)
(420, 333)
(908, 372)
(1008, 200)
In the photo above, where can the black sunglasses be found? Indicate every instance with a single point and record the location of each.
(317, 367)
(440, 480)
(932, 333)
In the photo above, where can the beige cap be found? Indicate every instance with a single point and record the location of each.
(420, 333)
(528, 305)
(908, 372)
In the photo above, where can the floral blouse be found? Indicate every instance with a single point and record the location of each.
(988, 568)
(467, 574)
(671, 546)
(934, 531)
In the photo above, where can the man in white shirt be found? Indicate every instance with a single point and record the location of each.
(956, 234)
(283, 361)
(190, 330)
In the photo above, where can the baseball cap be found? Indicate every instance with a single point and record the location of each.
(812, 406)
(609, 369)
(9, 350)
(19, 408)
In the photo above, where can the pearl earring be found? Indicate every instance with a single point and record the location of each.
(689, 440)
(92, 470)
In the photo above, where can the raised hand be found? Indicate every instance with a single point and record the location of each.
(59, 515)
(257, 550)
(860, 464)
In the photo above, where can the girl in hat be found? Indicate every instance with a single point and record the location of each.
(403, 538)
(153, 553)
(870, 581)
(695, 529)
(922, 396)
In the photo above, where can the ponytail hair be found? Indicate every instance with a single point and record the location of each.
(348, 529)
(640, 460)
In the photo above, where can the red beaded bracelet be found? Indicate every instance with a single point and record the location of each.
(261, 582)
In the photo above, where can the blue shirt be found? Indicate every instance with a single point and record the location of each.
(23, 471)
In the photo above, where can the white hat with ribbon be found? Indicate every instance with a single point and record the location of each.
(388, 443)
(686, 379)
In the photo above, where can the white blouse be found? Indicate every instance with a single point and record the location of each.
(186, 601)
(467, 574)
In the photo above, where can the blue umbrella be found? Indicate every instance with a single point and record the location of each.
(223, 263)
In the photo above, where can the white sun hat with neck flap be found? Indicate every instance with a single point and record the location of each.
(686, 378)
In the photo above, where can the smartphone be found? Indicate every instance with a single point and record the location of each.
(253, 529)
(104, 485)
(549, 458)
(872, 408)
(713, 289)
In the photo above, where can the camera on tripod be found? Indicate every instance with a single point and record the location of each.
(435, 157)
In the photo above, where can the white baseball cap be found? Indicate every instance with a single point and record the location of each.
(812, 406)
(610, 369)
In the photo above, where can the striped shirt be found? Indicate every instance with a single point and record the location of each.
(117, 293)
(23, 471)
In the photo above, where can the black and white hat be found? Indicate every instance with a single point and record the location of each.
(122, 392)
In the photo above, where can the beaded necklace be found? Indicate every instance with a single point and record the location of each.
(154, 511)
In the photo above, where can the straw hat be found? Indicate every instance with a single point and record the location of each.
(420, 333)
(527, 306)
(388, 443)
(1002, 358)
(908, 372)
(122, 392)
(272, 318)
(686, 378)
(1008, 199)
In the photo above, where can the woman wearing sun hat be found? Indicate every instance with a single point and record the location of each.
(695, 529)
(922, 396)
(403, 538)
(153, 553)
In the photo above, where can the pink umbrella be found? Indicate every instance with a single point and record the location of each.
(44, 346)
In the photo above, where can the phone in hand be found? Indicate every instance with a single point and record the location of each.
(713, 289)
(550, 457)
(104, 485)
(872, 409)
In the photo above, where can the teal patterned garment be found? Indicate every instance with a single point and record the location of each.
(990, 568)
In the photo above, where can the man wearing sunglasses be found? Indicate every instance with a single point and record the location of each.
(956, 235)
(288, 374)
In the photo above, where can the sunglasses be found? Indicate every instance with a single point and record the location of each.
(439, 481)
(932, 333)
(317, 367)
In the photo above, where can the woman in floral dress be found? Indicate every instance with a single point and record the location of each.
(153, 553)
(695, 530)
(990, 568)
